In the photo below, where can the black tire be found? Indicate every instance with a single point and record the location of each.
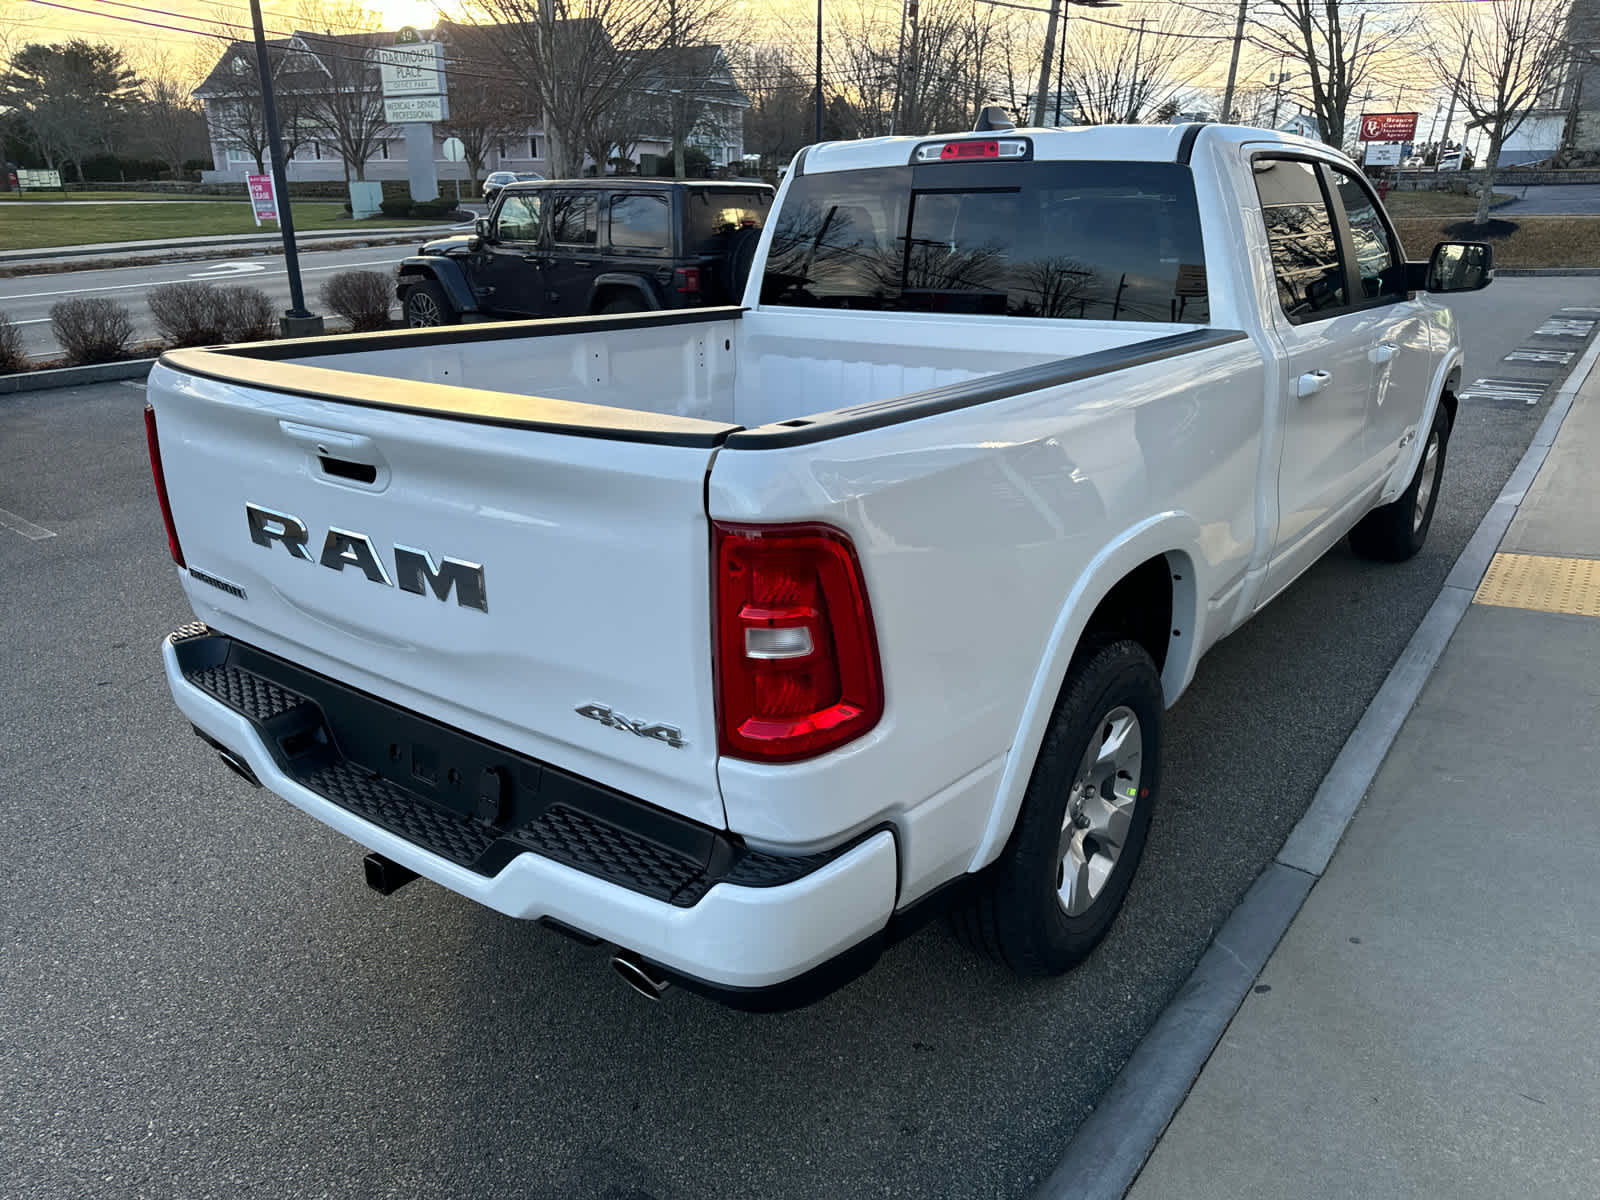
(737, 260)
(623, 302)
(425, 306)
(1015, 912)
(1398, 530)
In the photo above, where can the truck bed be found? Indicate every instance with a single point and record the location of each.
(692, 378)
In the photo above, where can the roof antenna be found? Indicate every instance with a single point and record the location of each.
(992, 118)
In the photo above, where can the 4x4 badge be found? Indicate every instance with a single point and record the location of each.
(670, 734)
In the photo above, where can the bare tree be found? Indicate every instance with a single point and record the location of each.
(485, 110)
(1342, 44)
(232, 95)
(1118, 74)
(169, 120)
(347, 109)
(778, 121)
(1500, 59)
(575, 59)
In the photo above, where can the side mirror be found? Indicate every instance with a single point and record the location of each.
(480, 227)
(1460, 267)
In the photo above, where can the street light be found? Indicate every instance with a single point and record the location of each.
(1057, 8)
(298, 321)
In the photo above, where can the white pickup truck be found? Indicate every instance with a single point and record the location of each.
(739, 639)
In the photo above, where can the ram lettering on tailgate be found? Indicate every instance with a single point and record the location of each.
(414, 569)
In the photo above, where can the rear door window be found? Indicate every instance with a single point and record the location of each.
(1107, 241)
(1300, 231)
(574, 219)
(641, 224)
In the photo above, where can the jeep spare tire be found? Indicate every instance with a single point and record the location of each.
(737, 260)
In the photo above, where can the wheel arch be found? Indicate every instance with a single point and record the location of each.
(611, 283)
(1145, 585)
(448, 275)
(1442, 390)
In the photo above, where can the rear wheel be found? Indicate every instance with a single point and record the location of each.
(1398, 530)
(624, 303)
(1051, 896)
(425, 306)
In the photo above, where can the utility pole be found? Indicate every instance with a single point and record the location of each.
(1044, 61)
(1277, 90)
(1061, 56)
(1233, 65)
(908, 103)
(1450, 113)
(298, 321)
(899, 71)
(1133, 88)
(818, 98)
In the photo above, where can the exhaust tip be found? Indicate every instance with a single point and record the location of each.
(238, 766)
(641, 978)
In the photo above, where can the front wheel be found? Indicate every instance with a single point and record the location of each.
(425, 306)
(1051, 896)
(1398, 530)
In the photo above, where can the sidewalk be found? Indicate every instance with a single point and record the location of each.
(1430, 1024)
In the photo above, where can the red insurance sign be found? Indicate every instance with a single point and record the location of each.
(1388, 127)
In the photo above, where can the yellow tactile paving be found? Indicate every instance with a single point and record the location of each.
(1544, 584)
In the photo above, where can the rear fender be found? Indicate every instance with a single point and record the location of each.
(613, 280)
(445, 272)
(1175, 535)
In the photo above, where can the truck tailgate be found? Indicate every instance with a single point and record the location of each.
(574, 620)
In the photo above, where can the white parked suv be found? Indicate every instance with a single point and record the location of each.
(741, 638)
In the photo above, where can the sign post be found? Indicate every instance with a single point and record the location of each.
(414, 98)
(454, 150)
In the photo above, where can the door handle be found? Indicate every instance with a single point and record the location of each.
(1382, 352)
(582, 262)
(1311, 383)
(534, 260)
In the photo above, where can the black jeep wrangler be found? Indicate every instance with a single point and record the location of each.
(562, 248)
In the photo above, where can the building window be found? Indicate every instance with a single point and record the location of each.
(533, 147)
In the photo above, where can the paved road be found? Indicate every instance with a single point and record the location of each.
(27, 299)
(1549, 199)
(202, 999)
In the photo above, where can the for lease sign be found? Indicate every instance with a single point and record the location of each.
(262, 201)
(1388, 127)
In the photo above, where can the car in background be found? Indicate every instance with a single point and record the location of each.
(571, 247)
(499, 179)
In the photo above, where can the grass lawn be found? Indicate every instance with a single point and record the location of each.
(1536, 242)
(28, 226)
(1431, 204)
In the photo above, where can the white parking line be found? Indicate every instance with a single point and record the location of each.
(34, 533)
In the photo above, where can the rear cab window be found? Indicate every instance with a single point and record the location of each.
(1100, 241)
(1306, 262)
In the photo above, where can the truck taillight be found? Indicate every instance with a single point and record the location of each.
(797, 657)
(688, 280)
(161, 484)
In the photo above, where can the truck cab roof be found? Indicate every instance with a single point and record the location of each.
(1102, 143)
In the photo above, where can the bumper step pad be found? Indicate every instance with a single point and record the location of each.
(466, 800)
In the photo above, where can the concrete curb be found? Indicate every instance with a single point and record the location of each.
(1107, 1153)
(65, 377)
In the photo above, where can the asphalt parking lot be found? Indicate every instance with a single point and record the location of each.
(201, 998)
